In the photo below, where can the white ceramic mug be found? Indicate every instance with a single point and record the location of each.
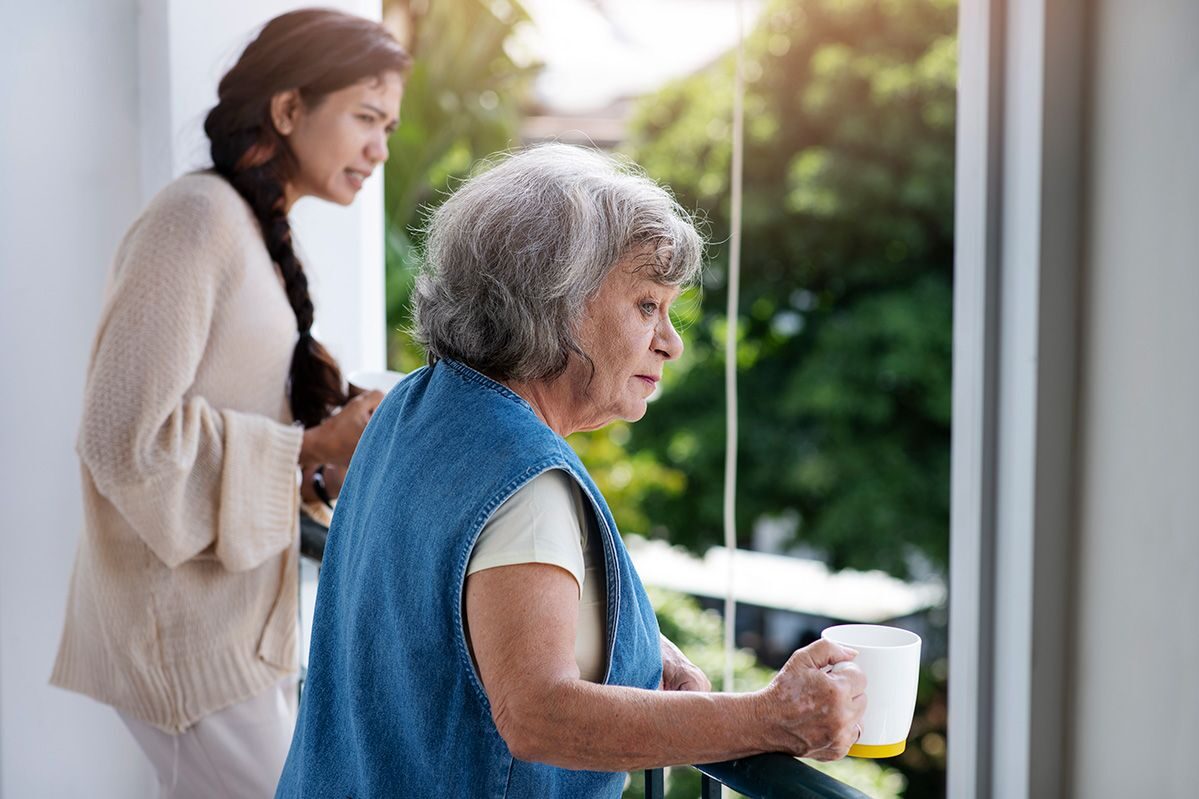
(890, 658)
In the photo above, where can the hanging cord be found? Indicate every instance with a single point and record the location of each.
(730, 359)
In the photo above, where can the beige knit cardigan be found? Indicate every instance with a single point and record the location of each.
(183, 596)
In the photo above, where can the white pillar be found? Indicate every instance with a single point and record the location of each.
(70, 164)
(1138, 510)
(1018, 253)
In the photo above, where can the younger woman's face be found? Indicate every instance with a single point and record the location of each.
(338, 142)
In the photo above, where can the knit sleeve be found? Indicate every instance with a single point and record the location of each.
(186, 476)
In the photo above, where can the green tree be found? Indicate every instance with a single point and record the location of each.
(461, 103)
(843, 333)
(844, 326)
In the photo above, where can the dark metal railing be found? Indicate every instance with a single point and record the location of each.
(774, 776)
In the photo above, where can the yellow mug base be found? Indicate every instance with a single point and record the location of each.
(884, 750)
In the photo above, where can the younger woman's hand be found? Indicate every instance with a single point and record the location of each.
(333, 440)
(334, 477)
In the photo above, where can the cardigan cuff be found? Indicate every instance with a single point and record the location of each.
(259, 512)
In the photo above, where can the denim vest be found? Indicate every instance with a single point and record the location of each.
(393, 705)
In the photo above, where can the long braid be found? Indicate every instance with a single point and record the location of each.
(314, 51)
(251, 161)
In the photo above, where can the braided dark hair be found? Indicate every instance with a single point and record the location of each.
(314, 51)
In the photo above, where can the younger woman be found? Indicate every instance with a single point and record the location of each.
(206, 396)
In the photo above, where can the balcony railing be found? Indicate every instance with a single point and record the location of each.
(773, 776)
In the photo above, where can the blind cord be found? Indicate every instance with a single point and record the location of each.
(730, 358)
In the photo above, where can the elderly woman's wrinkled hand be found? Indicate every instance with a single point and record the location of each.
(679, 673)
(818, 710)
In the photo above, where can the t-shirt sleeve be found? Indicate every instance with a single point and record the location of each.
(538, 524)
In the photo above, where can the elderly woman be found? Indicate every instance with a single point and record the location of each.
(480, 629)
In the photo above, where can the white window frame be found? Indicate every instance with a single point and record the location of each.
(1017, 256)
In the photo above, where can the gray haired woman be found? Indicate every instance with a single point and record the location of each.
(480, 629)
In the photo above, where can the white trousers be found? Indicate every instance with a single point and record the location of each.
(236, 753)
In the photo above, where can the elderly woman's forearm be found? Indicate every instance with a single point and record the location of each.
(582, 725)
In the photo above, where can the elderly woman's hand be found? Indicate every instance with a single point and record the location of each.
(679, 673)
(817, 710)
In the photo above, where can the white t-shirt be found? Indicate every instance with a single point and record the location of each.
(550, 521)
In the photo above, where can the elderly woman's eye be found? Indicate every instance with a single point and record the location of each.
(649, 308)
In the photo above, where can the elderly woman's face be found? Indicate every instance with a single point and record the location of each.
(627, 333)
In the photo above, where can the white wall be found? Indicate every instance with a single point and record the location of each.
(69, 159)
(99, 101)
(1135, 716)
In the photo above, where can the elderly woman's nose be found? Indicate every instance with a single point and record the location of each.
(669, 343)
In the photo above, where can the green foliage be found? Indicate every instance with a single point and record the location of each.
(843, 333)
(461, 103)
(844, 325)
(872, 778)
(700, 634)
(624, 478)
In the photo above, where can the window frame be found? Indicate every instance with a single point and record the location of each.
(1018, 211)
